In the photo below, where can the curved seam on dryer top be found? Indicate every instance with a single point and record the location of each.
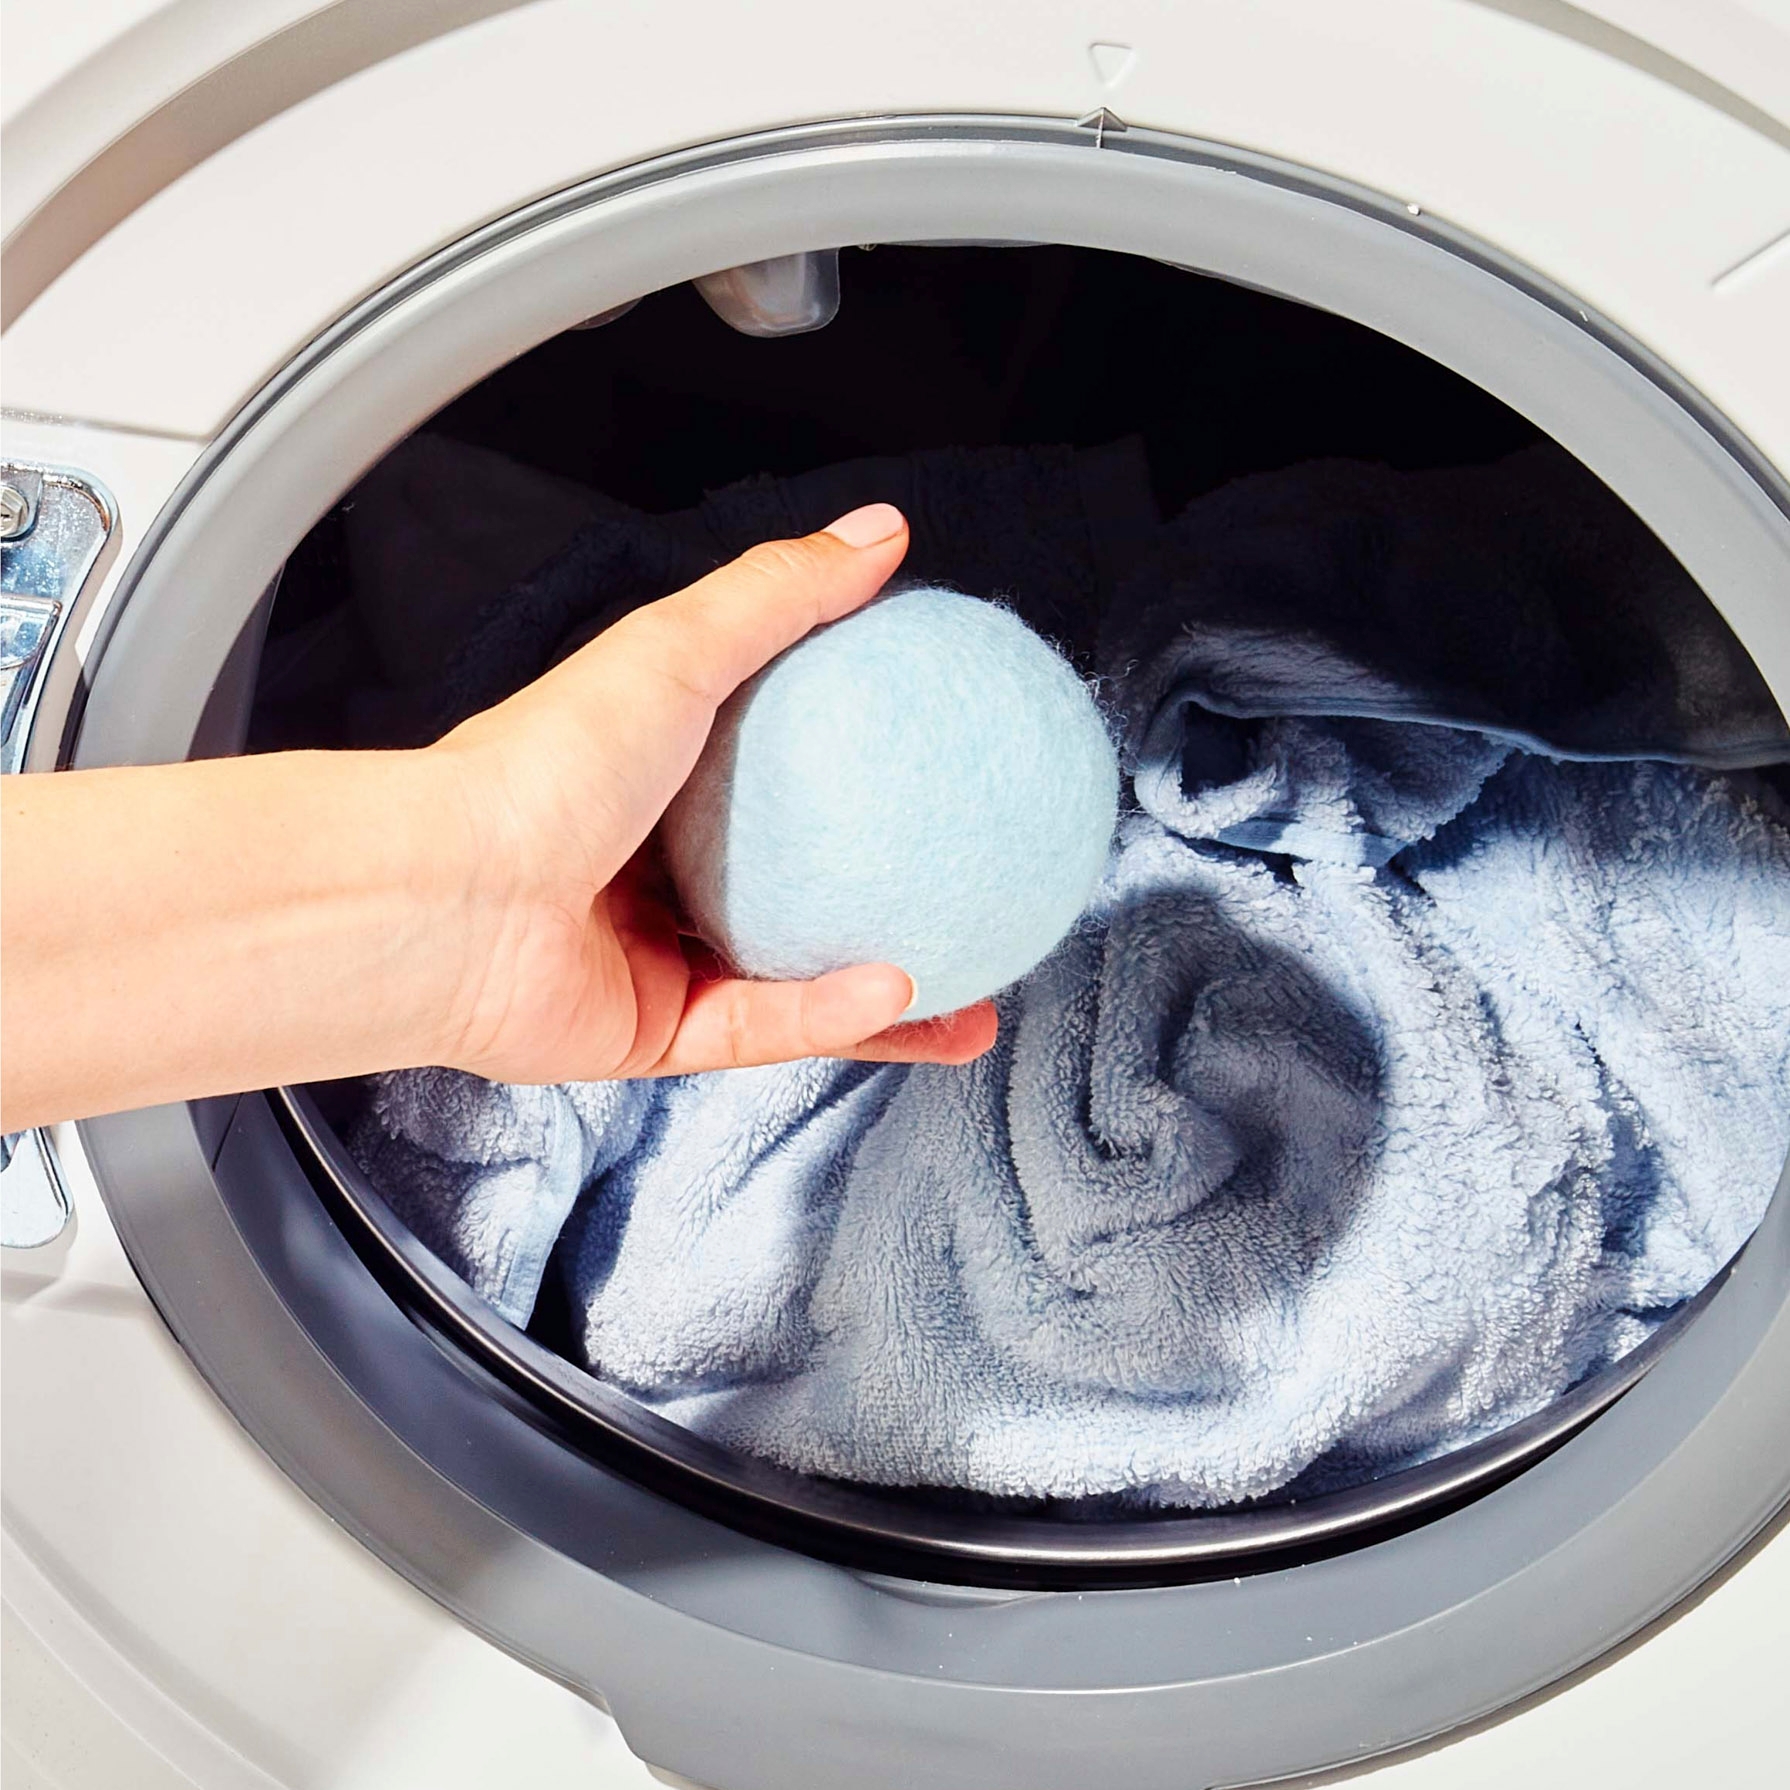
(205, 115)
(60, 420)
(1594, 33)
(179, 115)
(866, 134)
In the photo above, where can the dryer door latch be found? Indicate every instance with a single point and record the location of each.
(1103, 124)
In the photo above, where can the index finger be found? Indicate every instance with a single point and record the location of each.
(709, 638)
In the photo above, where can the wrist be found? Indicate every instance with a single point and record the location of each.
(457, 883)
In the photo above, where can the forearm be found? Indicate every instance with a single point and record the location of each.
(206, 928)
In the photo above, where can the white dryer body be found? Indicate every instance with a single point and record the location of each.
(250, 248)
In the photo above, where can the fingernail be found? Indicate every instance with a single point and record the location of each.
(864, 528)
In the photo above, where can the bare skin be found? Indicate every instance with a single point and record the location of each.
(490, 902)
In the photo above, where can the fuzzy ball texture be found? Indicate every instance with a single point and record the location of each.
(924, 782)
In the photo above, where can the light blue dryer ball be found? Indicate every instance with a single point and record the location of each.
(924, 783)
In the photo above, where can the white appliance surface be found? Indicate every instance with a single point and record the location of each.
(177, 1612)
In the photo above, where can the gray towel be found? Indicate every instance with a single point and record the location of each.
(1520, 599)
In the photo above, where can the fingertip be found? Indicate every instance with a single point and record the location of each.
(730, 624)
(979, 1027)
(855, 1013)
(876, 537)
(949, 1038)
(967, 1034)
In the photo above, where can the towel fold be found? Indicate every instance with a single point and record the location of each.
(1400, 1075)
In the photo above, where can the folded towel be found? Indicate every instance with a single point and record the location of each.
(1397, 1078)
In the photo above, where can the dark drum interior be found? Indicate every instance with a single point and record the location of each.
(967, 347)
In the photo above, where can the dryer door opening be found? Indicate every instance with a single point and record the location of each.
(1074, 433)
(516, 1486)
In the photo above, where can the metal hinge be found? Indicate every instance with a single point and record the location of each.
(34, 1204)
(54, 526)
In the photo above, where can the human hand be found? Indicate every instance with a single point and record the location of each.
(491, 902)
(573, 968)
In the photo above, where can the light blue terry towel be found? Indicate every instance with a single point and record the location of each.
(1397, 1078)
(1276, 1161)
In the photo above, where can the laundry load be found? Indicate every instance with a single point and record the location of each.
(1424, 1046)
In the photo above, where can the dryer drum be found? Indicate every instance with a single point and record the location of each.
(570, 1523)
(1052, 391)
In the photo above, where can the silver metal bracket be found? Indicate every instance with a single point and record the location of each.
(27, 626)
(1103, 124)
(19, 496)
(34, 1203)
(54, 528)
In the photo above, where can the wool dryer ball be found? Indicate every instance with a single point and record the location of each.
(924, 782)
